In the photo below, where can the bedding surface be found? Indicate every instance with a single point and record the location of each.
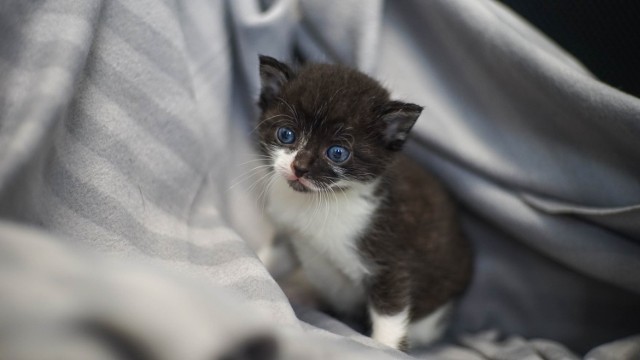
(131, 215)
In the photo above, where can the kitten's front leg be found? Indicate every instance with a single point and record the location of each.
(389, 308)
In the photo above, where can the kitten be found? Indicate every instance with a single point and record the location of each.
(371, 229)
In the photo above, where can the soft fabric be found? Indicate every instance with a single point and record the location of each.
(125, 142)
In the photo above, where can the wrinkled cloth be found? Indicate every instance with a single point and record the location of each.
(131, 217)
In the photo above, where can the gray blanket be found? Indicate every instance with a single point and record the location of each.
(130, 224)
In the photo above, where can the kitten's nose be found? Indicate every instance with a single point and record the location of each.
(299, 170)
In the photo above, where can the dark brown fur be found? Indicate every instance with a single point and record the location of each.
(420, 256)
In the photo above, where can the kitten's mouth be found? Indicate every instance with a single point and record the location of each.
(297, 185)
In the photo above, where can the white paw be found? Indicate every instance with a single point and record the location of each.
(389, 329)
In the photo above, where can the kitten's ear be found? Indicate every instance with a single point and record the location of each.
(399, 118)
(273, 75)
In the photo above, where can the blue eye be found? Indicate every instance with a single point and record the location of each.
(286, 135)
(337, 154)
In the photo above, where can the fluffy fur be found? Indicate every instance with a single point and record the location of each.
(373, 231)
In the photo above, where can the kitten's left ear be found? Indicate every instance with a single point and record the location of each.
(399, 118)
(273, 76)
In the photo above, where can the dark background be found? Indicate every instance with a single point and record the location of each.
(603, 34)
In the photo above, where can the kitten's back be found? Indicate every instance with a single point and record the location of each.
(417, 228)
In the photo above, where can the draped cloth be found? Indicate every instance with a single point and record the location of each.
(130, 224)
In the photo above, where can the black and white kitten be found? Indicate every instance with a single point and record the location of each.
(371, 229)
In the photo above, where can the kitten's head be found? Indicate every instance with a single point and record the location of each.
(328, 126)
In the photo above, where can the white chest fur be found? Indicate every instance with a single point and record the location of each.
(324, 229)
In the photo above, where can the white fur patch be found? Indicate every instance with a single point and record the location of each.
(282, 162)
(324, 227)
(389, 329)
(430, 328)
(277, 258)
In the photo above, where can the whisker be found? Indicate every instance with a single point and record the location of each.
(253, 160)
(266, 190)
(261, 122)
(291, 108)
(246, 176)
(255, 183)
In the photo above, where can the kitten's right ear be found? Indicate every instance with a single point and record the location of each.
(273, 75)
